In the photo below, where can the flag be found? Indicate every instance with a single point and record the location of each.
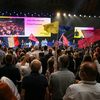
(52, 27)
(88, 33)
(97, 35)
(56, 43)
(13, 41)
(33, 38)
(5, 41)
(89, 39)
(65, 40)
(16, 41)
(81, 43)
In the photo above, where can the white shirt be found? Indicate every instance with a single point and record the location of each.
(24, 69)
(83, 91)
(36, 53)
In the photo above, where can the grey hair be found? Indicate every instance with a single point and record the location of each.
(63, 61)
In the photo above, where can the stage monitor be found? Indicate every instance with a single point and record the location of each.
(23, 26)
(79, 32)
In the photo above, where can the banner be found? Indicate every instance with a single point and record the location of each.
(52, 27)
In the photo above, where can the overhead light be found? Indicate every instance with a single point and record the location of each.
(74, 15)
(80, 15)
(69, 15)
(58, 14)
(31, 14)
(84, 15)
(17, 14)
(38, 14)
(24, 14)
(64, 14)
(94, 16)
(89, 16)
(20, 12)
(2, 13)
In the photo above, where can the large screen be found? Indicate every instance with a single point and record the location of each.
(80, 32)
(23, 26)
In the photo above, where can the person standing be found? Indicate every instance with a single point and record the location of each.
(34, 85)
(9, 70)
(60, 80)
(2, 55)
(87, 88)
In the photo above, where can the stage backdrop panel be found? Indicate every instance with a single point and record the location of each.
(80, 32)
(23, 26)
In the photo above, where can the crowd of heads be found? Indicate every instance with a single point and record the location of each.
(66, 58)
(47, 60)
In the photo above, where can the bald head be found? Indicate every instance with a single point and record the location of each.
(88, 71)
(35, 65)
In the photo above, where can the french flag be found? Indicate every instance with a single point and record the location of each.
(13, 41)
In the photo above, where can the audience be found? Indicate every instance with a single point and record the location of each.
(9, 70)
(50, 67)
(23, 66)
(60, 80)
(34, 85)
(38, 73)
(87, 88)
(2, 55)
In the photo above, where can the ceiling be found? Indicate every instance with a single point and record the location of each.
(90, 7)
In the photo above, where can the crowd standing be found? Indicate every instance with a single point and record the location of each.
(49, 73)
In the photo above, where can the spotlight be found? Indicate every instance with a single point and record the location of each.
(94, 16)
(31, 14)
(80, 15)
(58, 14)
(39, 15)
(2, 14)
(74, 15)
(24, 14)
(69, 15)
(89, 16)
(20, 12)
(84, 15)
(64, 14)
(17, 14)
